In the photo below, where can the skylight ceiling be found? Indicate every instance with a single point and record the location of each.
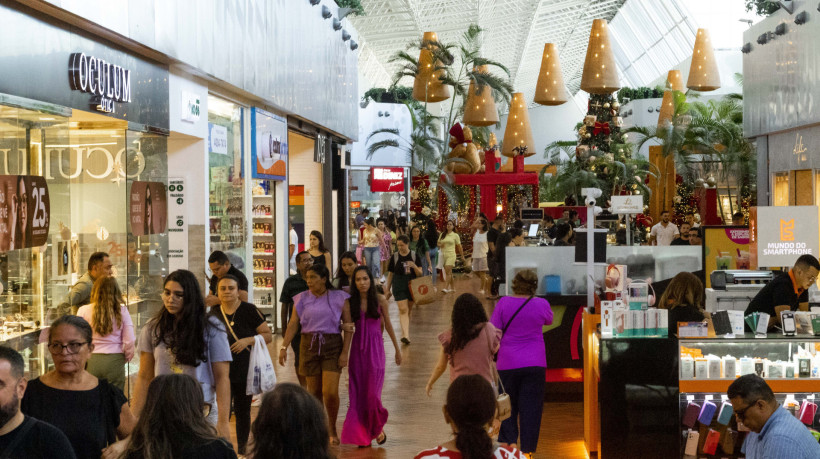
(648, 36)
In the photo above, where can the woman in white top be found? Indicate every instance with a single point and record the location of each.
(480, 249)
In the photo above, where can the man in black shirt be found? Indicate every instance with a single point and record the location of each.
(788, 291)
(221, 266)
(23, 436)
(684, 235)
(293, 286)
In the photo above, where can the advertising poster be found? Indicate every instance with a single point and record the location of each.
(269, 148)
(725, 247)
(178, 231)
(24, 211)
(782, 234)
(148, 208)
(296, 210)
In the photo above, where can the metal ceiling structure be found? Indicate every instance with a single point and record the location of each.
(649, 36)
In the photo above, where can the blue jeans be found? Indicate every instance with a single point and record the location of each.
(372, 258)
(433, 262)
(525, 387)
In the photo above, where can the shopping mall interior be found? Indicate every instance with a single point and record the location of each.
(409, 229)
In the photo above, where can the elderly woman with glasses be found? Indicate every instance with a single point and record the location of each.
(91, 412)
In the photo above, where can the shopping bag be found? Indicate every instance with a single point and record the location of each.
(261, 377)
(422, 290)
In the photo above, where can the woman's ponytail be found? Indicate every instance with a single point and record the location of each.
(473, 442)
(471, 408)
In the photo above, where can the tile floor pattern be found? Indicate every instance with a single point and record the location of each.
(416, 421)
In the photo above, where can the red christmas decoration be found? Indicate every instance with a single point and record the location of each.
(601, 127)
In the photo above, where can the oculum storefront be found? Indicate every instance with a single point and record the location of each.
(83, 168)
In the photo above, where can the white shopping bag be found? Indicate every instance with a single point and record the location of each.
(261, 377)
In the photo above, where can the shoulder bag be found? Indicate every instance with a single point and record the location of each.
(503, 404)
(504, 330)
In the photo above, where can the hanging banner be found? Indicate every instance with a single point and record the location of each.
(725, 248)
(178, 230)
(24, 211)
(269, 145)
(148, 208)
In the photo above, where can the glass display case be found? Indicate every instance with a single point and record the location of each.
(707, 366)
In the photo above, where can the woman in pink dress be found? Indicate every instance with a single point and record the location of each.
(366, 416)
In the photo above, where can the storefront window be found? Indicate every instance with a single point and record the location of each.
(227, 206)
(781, 189)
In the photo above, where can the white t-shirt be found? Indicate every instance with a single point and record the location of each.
(294, 241)
(666, 235)
(480, 245)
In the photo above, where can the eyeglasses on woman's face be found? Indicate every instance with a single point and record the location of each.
(72, 348)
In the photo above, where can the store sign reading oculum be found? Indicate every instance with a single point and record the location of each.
(384, 179)
(106, 82)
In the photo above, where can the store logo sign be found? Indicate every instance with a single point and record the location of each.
(190, 107)
(385, 179)
(106, 82)
(799, 149)
(786, 230)
(627, 204)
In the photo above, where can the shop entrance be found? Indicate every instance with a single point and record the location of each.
(73, 183)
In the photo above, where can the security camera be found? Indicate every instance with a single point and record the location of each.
(589, 201)
(590, 195)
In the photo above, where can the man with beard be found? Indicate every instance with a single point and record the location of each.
(664, 232)
(20, 435)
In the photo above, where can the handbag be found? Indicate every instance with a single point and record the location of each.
(422, 290)
(504, 330)
(503, 404)
(261, 375)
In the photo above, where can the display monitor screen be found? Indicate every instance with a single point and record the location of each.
(533, 230)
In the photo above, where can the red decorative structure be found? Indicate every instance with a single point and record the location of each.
(487, 182)
(708, 202)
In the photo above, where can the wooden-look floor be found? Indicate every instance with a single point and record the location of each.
(416, 421)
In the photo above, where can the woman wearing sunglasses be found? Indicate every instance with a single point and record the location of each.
(92, 412)
(183, 338)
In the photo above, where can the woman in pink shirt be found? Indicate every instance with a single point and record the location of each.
(522, 358)
(113, 331)
(469, 345)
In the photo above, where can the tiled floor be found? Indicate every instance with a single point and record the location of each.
(416, 421)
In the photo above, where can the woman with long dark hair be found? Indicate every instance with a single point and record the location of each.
(470, 411)
(431, 236)
(449, 244)
(386, 248)
(344, 274)
(291, 424)
(182, 338)
(317, 249)
(323, 351)
(113, 331)
(366, 416)
(243, 322)
(172, 424)
(468, 346)
(419, 245)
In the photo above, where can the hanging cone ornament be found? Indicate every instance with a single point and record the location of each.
(703, 74)
(600, 74)
(427, 87)
(518, 133)
(674, 82)
(479, 110)
(550, 88)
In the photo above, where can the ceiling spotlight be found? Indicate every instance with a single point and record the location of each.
(337, 24)
(345, 35)
(780, 29)
(315, 2)
(650, 109)
(353, 45)
(326, 12)
(801, 18)
(746, 49)
(658, 109)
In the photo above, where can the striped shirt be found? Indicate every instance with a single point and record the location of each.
(782, 436)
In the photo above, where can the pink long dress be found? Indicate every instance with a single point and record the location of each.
(366, 416)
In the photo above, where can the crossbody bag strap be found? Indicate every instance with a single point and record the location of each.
(496, 376)
(228, 323)
(28, 423)
(503, 332)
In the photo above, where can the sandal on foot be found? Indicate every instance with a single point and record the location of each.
(383, 438)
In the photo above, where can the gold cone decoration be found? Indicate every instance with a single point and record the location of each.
(703, 74)
(427, 87)
(479, 110)
(674, 82)
(600, 74)
(550, 88)
(518, 132)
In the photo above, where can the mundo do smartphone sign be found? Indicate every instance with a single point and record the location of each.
(779, 235)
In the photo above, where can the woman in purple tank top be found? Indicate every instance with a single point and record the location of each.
(324, 314)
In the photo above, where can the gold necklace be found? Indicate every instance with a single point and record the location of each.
(226, 316)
